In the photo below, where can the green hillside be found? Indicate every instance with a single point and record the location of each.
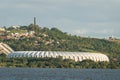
(53, 39)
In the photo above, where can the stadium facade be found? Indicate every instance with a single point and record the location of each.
(4, 48)
(77, 56)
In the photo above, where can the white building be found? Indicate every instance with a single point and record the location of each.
(2, 29)
(77, 56)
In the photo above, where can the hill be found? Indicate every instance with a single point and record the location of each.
(116, 40)
(45, 39)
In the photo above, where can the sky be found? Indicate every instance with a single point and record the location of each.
(86, 18)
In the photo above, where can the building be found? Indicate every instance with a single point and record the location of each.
(77, 56)
(15, 27)
(4, 48)
(2, 29)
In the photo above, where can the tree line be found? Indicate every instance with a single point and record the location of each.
(55, 63)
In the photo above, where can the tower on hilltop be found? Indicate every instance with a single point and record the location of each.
(34, 21)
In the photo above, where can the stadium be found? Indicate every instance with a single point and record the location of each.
(77, 56)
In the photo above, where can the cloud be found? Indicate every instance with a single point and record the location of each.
(94, 33)
(98, 29)
(81, 32)
(83, 17)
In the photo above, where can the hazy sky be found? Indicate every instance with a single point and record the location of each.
(94, 18)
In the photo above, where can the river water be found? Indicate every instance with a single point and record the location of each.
(58, 74)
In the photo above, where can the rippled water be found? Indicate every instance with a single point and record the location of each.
(58, 74)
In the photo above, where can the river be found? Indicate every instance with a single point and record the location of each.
(58, 74)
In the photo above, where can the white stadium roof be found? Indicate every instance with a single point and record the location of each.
(77, 56)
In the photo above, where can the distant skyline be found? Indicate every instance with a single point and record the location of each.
(93, 18)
